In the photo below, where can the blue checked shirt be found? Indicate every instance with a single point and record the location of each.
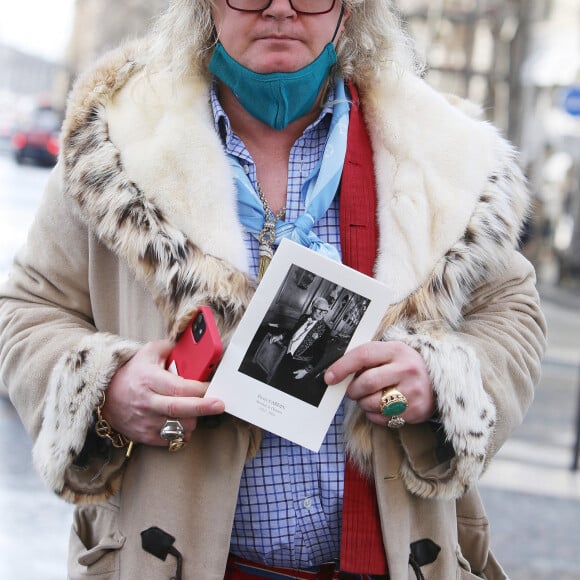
(290, 499)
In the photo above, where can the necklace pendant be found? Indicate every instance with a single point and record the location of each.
(265, 257)
(267, 236)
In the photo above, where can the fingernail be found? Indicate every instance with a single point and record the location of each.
(217, 406)
(329, 378)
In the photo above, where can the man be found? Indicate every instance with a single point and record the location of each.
(304, 349)
(186, 157)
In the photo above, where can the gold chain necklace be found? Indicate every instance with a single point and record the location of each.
(267, 236)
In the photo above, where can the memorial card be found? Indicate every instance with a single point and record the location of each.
(307, 312)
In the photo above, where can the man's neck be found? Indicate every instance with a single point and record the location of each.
(252, 130)
(270, 149)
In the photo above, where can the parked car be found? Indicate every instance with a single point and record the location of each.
(37, 141)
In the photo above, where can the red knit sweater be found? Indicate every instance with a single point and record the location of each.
(362, 548)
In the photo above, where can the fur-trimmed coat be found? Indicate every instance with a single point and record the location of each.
(138, 227)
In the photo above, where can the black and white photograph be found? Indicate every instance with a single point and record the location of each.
(307, 327)
(307, 312)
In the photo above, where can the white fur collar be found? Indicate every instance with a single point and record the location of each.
(432, 161)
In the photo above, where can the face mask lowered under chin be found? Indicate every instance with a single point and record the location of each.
(276, 98)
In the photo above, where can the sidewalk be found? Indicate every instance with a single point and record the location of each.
(34, 525)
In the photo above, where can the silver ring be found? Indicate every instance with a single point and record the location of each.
(172, 429)
(396, 422)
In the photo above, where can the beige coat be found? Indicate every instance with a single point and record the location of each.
(138, 227)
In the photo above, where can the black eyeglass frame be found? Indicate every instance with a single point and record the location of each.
(268, 2)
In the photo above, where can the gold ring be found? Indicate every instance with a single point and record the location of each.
(396, 422)
(176, 444)
(393, 402)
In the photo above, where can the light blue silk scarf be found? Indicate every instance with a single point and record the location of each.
(318, 190)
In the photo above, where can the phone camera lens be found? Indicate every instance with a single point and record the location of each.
(198, 327)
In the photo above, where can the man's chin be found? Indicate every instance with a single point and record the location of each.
(278, 56)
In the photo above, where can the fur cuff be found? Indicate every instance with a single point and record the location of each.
(466, 411)
(73, 392)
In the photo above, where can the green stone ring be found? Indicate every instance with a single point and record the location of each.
(393, 402)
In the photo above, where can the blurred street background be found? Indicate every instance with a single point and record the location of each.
(520, 60)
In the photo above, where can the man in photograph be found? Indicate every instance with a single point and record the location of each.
(305, 344)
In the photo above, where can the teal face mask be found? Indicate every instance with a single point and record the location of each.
(277, 98)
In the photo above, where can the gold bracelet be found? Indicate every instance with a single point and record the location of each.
(105, 431)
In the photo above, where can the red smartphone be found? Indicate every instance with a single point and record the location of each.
(198, 350)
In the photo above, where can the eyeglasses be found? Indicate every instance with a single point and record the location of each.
(300, 6)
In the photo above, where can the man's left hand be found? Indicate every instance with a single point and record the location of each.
(379, 365)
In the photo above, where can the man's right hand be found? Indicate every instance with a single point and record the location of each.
(276, 339)
(143, 394)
